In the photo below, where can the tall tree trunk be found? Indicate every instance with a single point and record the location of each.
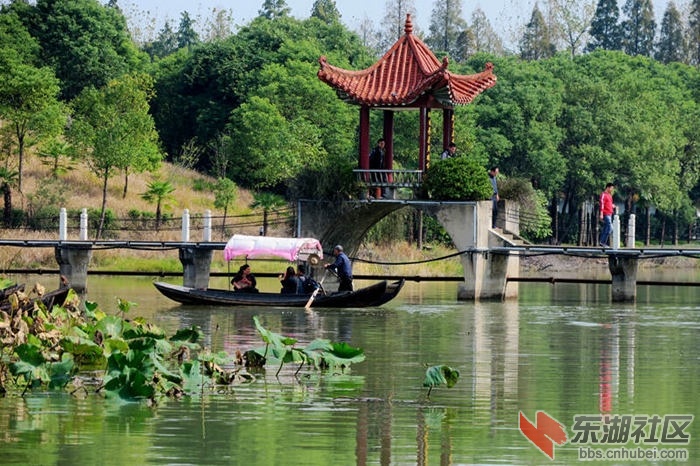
(98, 235)
(420, 230)
(20, 151)
(265, 222)
(647, 236)
(663, 231)
(7, 210)
(158, 214)
(126, 182)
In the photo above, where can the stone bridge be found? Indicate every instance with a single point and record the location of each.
(467, 223)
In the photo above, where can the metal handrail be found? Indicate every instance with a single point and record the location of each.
(377, 178)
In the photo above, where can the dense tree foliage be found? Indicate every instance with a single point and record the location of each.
(605, 28)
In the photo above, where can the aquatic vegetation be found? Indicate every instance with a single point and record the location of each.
(321, 354)
(438, 375)
(78, 347)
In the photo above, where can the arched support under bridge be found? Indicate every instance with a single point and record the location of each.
(467, 223)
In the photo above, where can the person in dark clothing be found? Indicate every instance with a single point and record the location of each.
(449, 152)
(343, 268)
(244, 281)
(289, 281)
(493, 173)
(376, 162)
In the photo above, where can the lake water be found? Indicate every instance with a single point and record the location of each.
(565, 350)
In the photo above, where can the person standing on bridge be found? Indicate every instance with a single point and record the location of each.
(449, 152)
(606, 211)
(343, 268)
(376, 162)
(493, 173)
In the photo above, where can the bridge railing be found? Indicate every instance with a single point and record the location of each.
(412, 179)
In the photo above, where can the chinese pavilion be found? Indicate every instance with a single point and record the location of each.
(408, 76)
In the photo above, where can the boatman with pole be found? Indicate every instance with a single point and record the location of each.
(342, 268)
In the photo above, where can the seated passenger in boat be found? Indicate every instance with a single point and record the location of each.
(289, 281)
(244, 280)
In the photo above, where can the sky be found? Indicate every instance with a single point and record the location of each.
(506, 16)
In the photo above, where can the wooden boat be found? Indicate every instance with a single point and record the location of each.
(371, 296)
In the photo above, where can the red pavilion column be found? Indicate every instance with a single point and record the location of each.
(448, 126)
(423, 140)
(364, 138)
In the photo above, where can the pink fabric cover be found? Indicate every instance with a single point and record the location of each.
(286, 248)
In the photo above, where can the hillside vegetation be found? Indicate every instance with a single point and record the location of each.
(79, 189)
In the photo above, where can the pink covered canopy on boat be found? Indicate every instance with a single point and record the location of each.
(287, 248)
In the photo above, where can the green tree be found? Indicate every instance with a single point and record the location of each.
(272, 9)
(536, 42)
(113, 130)
(56, 154)
(86, 43)
(29, 105)
(484, 37)
(326, 11)
(161, 193)
(639, 28)
(165, 43)
(694, 33)
(267, 202)
(186, 35)
(671, 46)
(572, 19)
(446, 24)
(394, 21)
(225, 193)
(605, 31)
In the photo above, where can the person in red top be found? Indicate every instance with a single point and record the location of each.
(606, 211)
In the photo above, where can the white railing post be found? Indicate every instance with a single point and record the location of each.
(207, 226)
(83, 225)
(185, 226)
(616, 232)
(62, 225)
(631, 225)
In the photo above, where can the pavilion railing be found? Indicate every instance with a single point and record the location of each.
(412, 179)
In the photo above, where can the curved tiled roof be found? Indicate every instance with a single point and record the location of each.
(406, 72)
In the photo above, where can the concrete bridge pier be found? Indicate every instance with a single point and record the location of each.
(196, 266)
(624, 277)
(73, 264)
(485, 273)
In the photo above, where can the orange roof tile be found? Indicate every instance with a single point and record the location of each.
(406, 72)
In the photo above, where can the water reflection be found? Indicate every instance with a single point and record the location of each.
(566, 356)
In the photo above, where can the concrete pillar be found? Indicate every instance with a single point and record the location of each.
(206, 235)
(196, 266)
(616, 232)
(63, 225)
(73, 264)
(83, 225)
(631, 225)
(624, 277)
(185, 226)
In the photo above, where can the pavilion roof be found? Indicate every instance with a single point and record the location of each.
(406, 72)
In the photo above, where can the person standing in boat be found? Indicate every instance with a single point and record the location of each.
(289, 281)
(343, 268)
(244, 280)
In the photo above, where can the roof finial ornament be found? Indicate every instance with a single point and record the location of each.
(408, 28)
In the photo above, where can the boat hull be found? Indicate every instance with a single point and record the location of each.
(374, 295)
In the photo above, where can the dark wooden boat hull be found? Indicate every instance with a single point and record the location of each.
(374, 295)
